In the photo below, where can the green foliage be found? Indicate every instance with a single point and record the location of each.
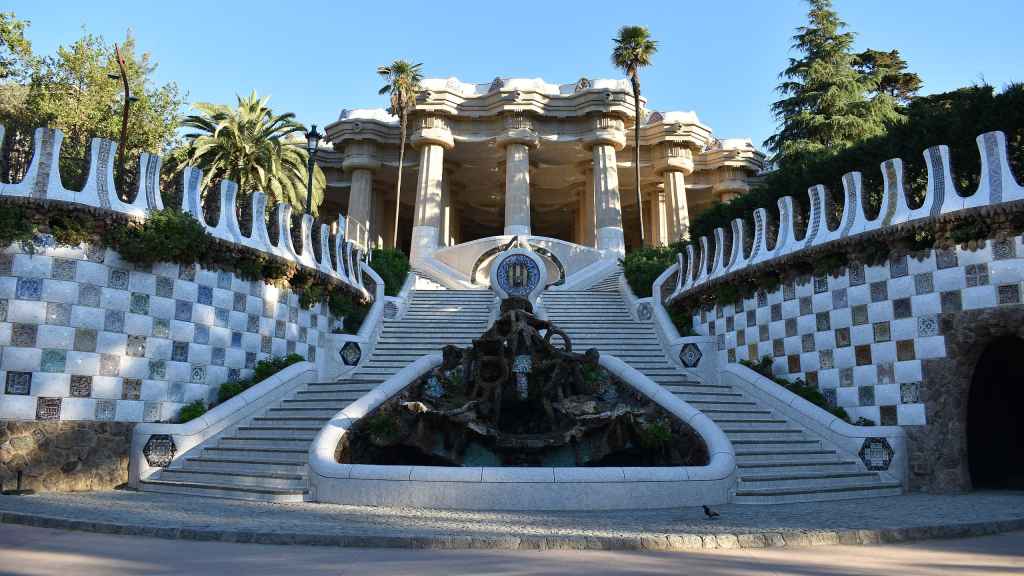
(68, 230)
(381, 425)
(71, 90)
(253, 147)
(825, 105)
(830, 263)
(887, 72)
(655, 435)
(642, 267)
(802, 389)
(191, 411)
(165, 236)
(15, 225)
(682, 318)
(15, 50)
(953, 118)
(352, 312)
(393, 266)
(264, 369)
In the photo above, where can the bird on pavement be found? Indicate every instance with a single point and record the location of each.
(709, 512)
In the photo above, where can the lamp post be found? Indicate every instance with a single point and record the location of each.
(312, 141)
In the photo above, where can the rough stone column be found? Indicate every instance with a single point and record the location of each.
(360, 162)
(517, 189)
(432, 138)
(608, 205)
(675, 197)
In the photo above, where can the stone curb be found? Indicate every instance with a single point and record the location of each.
(668, 542)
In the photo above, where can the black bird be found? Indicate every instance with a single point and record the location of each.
(709, 512)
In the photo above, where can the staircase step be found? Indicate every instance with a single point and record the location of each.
(777, 496)
(747, 454)
(264, 442)
(806, 481)
(797, 466)
(296, 482)
(220, 491)
(244, 466)
(283, 455)
(307, 433)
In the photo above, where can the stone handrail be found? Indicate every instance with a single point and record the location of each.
(221, 417)
(844, 435)
(42, 181)
(521, 488)
(997, 185)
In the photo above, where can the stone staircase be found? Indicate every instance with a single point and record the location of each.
(264, 457)
(778, 460)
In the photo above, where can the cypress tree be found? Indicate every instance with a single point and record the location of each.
(827, 103)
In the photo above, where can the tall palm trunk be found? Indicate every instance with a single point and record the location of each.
(636, 152)
(398, 186)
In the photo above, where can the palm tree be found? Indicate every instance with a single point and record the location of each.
(403, 82)
(633, 50)
(257, 149)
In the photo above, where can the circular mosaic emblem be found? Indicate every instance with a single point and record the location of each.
(159, 450)
(518, 275)
(351, 353)
(644, 311)
(689, 355)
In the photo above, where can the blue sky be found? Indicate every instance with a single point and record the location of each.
(720, 59)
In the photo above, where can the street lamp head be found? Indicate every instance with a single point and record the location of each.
(312, 139)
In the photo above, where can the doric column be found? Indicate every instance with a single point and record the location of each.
(675, 163)
(607, 136)
(431, 138)
(360, 162)
(517, 189)
(675, 198)
(658, 217)
(517, 139)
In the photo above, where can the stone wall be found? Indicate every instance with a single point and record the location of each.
(938, 450)
(85, 335)
(863, 335)
(63, 456)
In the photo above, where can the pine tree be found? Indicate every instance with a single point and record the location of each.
(826, 105)
(887, 71)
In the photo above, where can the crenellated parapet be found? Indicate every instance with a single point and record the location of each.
(707, 266)
(42, 181)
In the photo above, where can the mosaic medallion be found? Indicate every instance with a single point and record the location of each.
(876, 453)
(159, 450)
(351, 353)
(644, 311)
(689, 355)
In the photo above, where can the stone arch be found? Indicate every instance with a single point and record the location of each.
(939, 449)
(995, 433)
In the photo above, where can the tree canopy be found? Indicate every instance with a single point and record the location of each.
(72, 90)
(827, 104)
(254, 147)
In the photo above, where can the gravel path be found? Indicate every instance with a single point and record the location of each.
(865, 521)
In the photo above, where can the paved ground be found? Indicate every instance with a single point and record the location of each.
(908, 517)
(42, 552)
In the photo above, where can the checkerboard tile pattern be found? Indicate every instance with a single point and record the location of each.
(85, 335)
(861, 335)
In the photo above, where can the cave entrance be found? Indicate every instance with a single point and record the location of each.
(995, 426)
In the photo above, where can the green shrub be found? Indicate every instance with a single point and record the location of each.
(191, 411)
(353, 313)
(642, 267)
(264, 369)
(802, 389)
(393, 267)
(15, 225)
(166, 236)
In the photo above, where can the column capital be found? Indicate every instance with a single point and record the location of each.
(606, 130)
(360, 155)
(674, 157)
(432, 129)
(518, 130)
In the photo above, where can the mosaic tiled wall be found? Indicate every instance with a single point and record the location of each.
(85, 335)
(860, 336)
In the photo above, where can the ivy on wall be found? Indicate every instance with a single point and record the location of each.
(167, 235)
(968, 229)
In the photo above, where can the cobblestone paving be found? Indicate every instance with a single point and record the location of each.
(739, 526)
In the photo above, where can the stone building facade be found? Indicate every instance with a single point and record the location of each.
(525, 157)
